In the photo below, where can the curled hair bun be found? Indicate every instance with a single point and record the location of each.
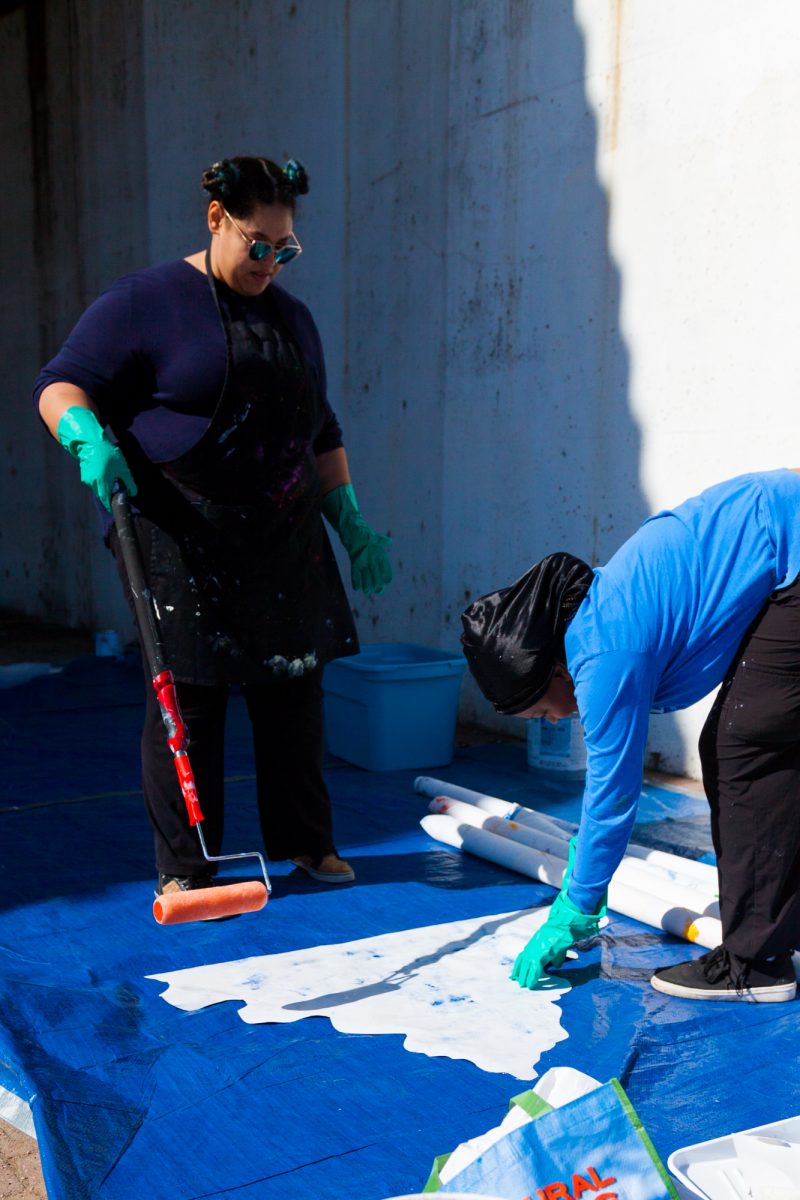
(296, 176)
(221, 178)
(244, 181)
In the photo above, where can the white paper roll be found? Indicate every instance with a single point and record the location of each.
(684, 920)
(704, 874)
(632, 872)
(503, 851)
(426, 785)
(465, 814)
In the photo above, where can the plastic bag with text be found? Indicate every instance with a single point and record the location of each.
(594, 1148)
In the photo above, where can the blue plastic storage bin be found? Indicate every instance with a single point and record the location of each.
(393, 706)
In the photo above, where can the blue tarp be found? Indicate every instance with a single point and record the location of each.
(133, 1097)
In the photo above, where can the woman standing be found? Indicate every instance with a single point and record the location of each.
(211, 378)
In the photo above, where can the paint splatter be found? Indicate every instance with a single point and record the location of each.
(294, 667)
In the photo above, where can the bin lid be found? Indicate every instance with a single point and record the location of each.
(403, 658)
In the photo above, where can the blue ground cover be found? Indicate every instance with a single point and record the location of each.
(132, 1097)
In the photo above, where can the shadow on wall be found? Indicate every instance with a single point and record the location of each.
(486, 379)
(543, 448)
(534, 330)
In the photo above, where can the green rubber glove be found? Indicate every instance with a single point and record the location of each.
(101, 462)
(565, 925)
(370, 569)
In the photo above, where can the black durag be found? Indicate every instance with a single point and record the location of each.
(513, 638)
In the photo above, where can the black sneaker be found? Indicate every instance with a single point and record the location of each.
(182, 883)
(168, 884)
(720, 975)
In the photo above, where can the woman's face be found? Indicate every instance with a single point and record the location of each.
(230, 252)
(557, 702)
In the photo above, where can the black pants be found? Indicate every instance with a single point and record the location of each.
(750, 754)
(286, 717)
(293, 803)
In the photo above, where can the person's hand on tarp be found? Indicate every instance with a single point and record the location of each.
(565, 925)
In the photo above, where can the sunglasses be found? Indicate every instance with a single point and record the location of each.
(260, 250)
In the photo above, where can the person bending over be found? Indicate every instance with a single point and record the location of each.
(703, 594)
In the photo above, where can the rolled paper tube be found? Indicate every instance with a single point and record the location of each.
(426, 785)
(528, 835)
(469, 814)
(443, 829)
(465, 814)
(644, 874)
(204, 904)
(689, 871)
(677, 919)
(641, 870)
(652, 910)
(503, 851)
(631, 872)
(537, 820)
(704, 873)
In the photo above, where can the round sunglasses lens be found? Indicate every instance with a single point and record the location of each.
(285, 255)
(260, 250)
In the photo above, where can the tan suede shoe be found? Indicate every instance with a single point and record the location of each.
(328, 869)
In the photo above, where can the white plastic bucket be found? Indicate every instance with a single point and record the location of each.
(557, 750)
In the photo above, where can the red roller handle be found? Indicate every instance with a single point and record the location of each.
(188, 786)
(178, 741)
(177, 737)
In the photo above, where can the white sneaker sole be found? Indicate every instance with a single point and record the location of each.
(775, 994)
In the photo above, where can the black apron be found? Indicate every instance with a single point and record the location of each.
(236, 552)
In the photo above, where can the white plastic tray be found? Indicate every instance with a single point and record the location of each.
(725, 1168)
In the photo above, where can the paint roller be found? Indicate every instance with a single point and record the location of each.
(201, 904)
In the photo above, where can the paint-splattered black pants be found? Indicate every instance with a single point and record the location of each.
(293, 802)
(750, 753)
(289, 746)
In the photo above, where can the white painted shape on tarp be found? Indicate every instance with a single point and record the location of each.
(444, 987)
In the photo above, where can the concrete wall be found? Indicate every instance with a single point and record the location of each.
(551, 248)
(71, 132)
(697, 104)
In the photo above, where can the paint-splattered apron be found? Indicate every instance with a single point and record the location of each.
(238, 558)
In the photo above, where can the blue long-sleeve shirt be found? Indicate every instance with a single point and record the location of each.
(658, 630)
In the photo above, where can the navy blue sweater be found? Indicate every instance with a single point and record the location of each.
(150, 352)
